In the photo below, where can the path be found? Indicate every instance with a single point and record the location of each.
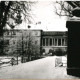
(38, 69)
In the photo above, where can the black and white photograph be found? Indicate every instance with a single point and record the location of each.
(39, 39)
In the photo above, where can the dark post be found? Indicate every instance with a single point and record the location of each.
(73, 57)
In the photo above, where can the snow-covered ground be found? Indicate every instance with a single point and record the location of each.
(6, 60)
(39, 69)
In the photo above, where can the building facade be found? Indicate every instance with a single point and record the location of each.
(18, 41)
(54, 40)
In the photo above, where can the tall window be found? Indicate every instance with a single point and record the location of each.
(62, 42)
(50, 42)
(59, 42)
(43, 41)
(46, 41)
(55, 42)
(13, 42)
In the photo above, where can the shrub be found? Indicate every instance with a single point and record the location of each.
(42, 50)
(60, 52)
(51, 51)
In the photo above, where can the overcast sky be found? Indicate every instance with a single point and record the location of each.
(44, 12)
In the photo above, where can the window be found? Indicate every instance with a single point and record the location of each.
(43, 41)
(62, 42)
(50, 42)
(36, 42)
(46, 41)
(13, 42)
(55, 42)
(59, 42)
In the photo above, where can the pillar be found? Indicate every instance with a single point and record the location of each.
(57, 42)
(73, 57)
(64, 42)
(54, 41)
(61, 41)
(48, 41)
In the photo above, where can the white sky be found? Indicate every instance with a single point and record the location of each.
(44, 12)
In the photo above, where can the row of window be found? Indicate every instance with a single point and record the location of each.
(54, 42)
(6, 42)
(14, 33)
(10, 33)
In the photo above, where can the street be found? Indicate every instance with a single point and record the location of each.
(38, 69)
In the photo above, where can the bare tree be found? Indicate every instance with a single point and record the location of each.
(33, 49)
(15, 10)
(13, 13)
(65, 8)
(29, 46)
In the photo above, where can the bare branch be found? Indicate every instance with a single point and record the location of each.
(72, 4)
(64, 9)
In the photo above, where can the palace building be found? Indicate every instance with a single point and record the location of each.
(17, 41)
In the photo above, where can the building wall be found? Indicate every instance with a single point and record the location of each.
(54, 41)
(17, 41)
(14, 40)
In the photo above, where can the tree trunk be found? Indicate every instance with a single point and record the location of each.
(3, 15)
(4, 10)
